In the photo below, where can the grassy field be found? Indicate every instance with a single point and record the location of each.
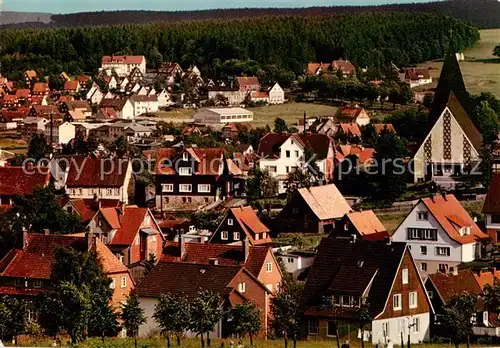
(12, 145)
(158, 342)
(264, 115)
(481, 69)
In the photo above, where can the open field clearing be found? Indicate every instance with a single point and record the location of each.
(481, 69)
(264, 115)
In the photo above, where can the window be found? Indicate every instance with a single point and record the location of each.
(269, 267)
(405, 275)
(287, 153)
(422, 215)
(332, 329)
(257, 236)
(413, 299)
(396, 302)
(296, 153)
(185, 156)
(189, 199)
(236, 235)
(485, 317)
(443, 267)
(224, 235)
(291, 260)
(167, 187)
(19, 283)
(242, 287)
(423, 267)
(185, 187)
(295, 210)
(37, 283)
(385, 329)
(313, 327)
(264, 235)
(113, 284)
(100, 223)
(204, 188)
(116, 191)
(430, 294)
(287, 169)
(422, 234)
(416, 325)
(230, 222)
(109, 192)
(443, 251)
(185, 171)
(423, 250)
(124, 282)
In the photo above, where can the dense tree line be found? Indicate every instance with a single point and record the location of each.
(483, 13)
(285, 42)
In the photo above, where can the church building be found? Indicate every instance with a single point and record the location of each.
(451, 148)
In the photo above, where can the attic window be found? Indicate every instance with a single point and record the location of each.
(185, 156)
(360, 263)
(465, 231)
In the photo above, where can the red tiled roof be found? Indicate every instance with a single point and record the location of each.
(344, 65)
(449, 285)
(487, 277)
(251, 224)
(23, 93)
(244, 81)
(10, 115)
(226, 255)
(97, 172)
(83, 78)
(109, 261)
(123, 59)
(108, 113)
(312, 68)
(452, 216)
(30, 73)
(116, 104)
(352, 128)
(127, 223)
(87, 208)
(379, 127)
(189, 279)
(351, 113)
(368, 225)
(21, 181)
(9, 98)
(20, 291)
(143, 98)
(259, 95)
(71, 85)
(40, 87)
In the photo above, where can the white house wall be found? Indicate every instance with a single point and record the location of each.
(399, 325)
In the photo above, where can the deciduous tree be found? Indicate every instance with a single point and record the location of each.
(133, 317)
(205, 313)
(172, 315)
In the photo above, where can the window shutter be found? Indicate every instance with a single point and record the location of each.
(408, 232)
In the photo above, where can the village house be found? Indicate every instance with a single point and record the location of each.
(353, 114)
(164, 98)
(59, 132)
(72, 87)
(248, 83)
(130, 232)
(103, 178)
(94, 95)
(381, 276)
(350, 130)
(132, 131)
(258, 259)
(415, 77)
(86, 208)
(25, 272)
(170, 71)
(344, 67)
(282, 153)
(46, 111)
(312, 210)
(233, 95)
(363, 225)
(33, 125)
(144, 104)
(41, 88)
(453, 144)
(491, 208)
(239, 224)
(276, 94)
(20, 181)
(82, 106)
(234, 285)
(30, 77)
(441, 234)
(123, 65)
(442, 287)
(223, 115)
(383, 127)
(188, 178)
(364, 154)
(296, 262)
(123, 107)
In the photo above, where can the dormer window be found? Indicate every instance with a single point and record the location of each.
(465, 231)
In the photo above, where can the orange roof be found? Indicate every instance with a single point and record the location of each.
(350, 112)
(110, 263)
(325, 201)
(41, 87)
(487, 277)
(71, 85)
(379, 127)
(111, 216)
(312, 68)
(452, 216)
(123, 59)
(247, 81)
(23, 93)
(30, 73)
(250, 223)
(352, 128)
(367, 224)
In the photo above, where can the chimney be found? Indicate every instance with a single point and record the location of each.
(246, 248)
(46, 231)
(90, 239)
(455, 271)
(182, 246)
(24, 239)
